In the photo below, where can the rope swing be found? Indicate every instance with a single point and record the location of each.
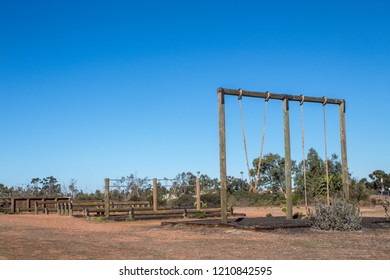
(244, 138)
(262, 139)
(326, 153)
(252, 188)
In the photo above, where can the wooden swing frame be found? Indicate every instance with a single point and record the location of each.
(285, 98)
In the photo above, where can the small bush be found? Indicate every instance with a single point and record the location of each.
(340, 215)
(269, 215)
(211, 200)
(183, 201)
(202, 204)
(98, 219)
(199, 215)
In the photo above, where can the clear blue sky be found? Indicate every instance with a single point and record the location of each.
(95, 89)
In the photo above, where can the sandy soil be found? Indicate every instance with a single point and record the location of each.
(55, 237)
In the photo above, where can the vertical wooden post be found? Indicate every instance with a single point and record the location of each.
(66, 209)
(343, 140)
(155, 195)
(70, 209)
(36, 207)
(107, 197)
(197, 194)
(28, 204)
(132, 213)
(222, 154)
(12, 210)
(231, 211)
(287, 157)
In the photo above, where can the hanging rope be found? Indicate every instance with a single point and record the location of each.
(262, 138)
(244, 138)
(326, 153)
(252, 188)
(303, 152)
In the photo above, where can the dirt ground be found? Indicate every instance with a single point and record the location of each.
(30, 237)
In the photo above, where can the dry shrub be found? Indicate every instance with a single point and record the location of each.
(340, 215)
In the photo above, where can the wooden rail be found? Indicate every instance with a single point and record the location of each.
(30, 203)
(112, 203)
(131, 209)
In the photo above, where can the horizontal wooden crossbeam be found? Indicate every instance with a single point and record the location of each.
(278, 96)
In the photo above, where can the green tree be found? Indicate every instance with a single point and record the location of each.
(272, 172)
(358, 189)
(207, 183)
(376, 180)
(316, 175)
(138, 189)
(184, 183)
(5, 191)
(335, 186)
(315, 171)
(35, 188)
(50, 186)
(73, 188)
(234, 184)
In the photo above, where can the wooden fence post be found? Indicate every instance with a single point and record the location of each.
(132, 213)
(70, 209)
(12, 205)
(198, 206)
(107, 197)
(287, 157)
(343, 140)
(222, 154)
(66, 209)
(36, 207)
(155, 195)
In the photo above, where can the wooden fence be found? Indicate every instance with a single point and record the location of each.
(64, 206)
(35, 204)
(131, 209)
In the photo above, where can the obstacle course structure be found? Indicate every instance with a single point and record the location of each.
(66, 206)
(155, 210)
(285, 98)
(34, 204)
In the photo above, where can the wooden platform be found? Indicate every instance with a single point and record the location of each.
(257, 224)
(273, 223)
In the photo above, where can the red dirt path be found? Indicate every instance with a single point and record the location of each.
(62, 238)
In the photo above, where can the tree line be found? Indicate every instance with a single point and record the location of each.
(271, 181)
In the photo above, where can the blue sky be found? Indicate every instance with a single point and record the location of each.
(95, 89)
